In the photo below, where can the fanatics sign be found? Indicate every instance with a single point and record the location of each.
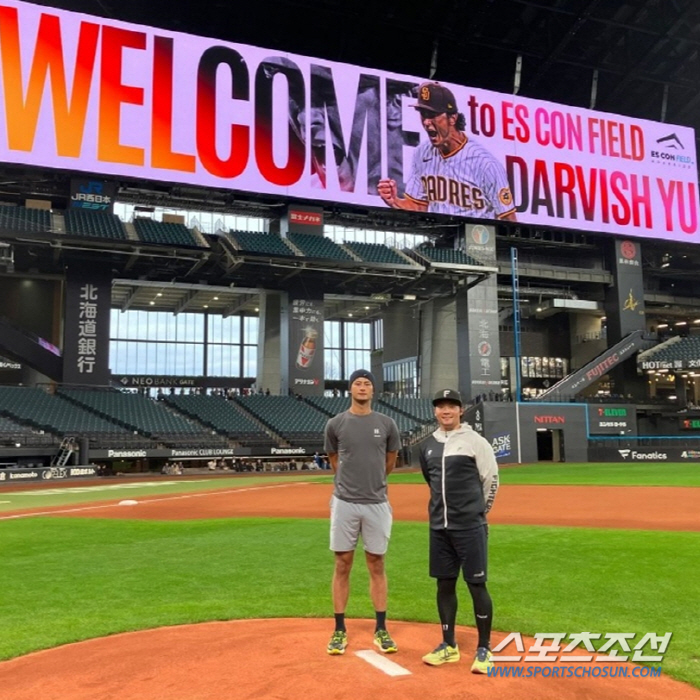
(86, 93)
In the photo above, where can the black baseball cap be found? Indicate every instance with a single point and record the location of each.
(447, 395)
(358, 373)
(436, 98)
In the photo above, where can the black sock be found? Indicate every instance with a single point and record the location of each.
(381, 620)
(340, 622)
(483, 612)
(447, 608)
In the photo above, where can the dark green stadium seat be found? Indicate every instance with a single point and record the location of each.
(144, 415)
(318, 246)
(23, 219)
(293, 419)
(94, 224)
(164, 233)
(221, 415)
(376, 253)
(263, 243)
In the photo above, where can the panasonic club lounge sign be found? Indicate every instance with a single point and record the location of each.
(119, 99)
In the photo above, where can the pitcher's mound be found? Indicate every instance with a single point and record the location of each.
(285, 659)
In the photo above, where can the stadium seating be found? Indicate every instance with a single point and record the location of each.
(683, 350)
(145, 416)
(94, 224)
(330, 405)
(318, 247)
(376, 253)
(419, 409)
(23, 219)
(448, 256)
(222, 416)
(164, 233)
(407, 420)
(37, 408)
(13, 433)
(295, 420)
(262, 243)
(405, 424)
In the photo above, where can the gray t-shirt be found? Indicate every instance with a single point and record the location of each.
(361, 443)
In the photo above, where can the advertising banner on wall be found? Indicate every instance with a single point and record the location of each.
(302, 355)
(92, 194)
(44, 473)
(625, 305)
(612, 419)
(10, 371)
(478, 345)
(107, 97)
(643, 454)
(86, 329)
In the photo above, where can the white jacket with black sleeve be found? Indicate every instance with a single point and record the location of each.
(462, 472)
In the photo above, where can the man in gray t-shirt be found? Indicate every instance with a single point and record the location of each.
(362, 447)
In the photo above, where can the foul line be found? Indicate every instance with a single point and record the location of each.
(382, 663)
(152, 500)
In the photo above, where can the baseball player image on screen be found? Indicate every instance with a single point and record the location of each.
(452, 173)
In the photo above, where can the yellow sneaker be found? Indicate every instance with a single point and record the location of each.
(482, 661)
(338, 642)
(385, 643)
(443, 654)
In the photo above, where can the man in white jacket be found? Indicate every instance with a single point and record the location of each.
(459, 466)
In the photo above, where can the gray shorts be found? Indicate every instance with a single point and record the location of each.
(350, 520)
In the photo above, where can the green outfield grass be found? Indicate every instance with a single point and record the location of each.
(68, 580)
(592, 474)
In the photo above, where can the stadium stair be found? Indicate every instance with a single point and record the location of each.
(276, 437)
(223, 416)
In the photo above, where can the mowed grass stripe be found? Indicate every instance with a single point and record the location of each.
(60, 494)
(590, 474)
(77, 579)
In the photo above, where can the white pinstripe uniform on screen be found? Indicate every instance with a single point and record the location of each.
(469, 181)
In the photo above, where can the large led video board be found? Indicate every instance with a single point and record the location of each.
(116, 99)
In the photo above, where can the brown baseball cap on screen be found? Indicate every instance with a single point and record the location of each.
(433, 97)
(447, 395)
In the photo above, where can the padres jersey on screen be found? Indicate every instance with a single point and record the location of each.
(467, 182)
